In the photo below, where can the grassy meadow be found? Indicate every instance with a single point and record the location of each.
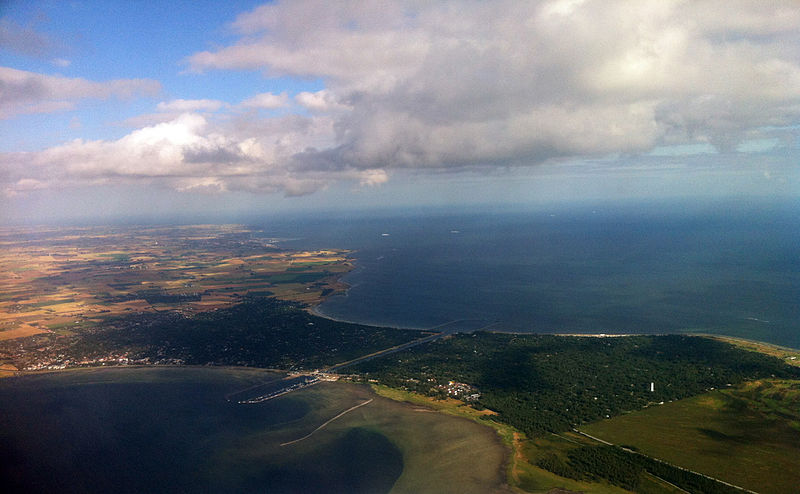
(748, 436)
(521, 471)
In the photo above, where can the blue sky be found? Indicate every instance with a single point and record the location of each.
(115, 108)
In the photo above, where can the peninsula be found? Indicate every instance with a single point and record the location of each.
(574, 412)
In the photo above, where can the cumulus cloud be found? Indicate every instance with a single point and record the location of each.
(448, 84)
(23, 92)
(267, 101)
(190, 105)
(189, 153)
(323, 101)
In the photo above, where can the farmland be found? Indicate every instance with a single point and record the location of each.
(653, 392)
(61, 282)
(748, 436)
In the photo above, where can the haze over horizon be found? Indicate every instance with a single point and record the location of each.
(114, 108)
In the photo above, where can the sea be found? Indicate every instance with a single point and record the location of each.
(723, 267)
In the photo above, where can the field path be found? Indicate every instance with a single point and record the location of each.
(328, 422)
(666, 463)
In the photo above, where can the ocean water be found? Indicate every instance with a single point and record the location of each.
(729, 268)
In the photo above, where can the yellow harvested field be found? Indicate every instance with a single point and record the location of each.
(64, 278)
(20, 331)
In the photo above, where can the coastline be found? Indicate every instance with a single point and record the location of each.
(782, 351)
(343, 290)
(315, 310)
(789, 354)
(39, 372)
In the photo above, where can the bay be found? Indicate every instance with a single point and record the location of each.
(181, 429)
(714, 267)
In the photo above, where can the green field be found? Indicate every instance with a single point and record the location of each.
(748, 436)
(522, 472)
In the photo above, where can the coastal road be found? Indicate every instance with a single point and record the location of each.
(448, 328)
(382, 353)
(630, 451)
(280, 387)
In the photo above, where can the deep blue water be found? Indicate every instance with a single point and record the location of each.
(730, 268)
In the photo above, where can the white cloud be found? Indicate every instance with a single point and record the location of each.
(23, 92)
(267, 101)
(322, 101)
(452, 85)
(190, 105)
(458, 83)
(189, 153)
(372, 177)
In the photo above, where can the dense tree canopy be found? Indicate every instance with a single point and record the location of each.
(542, 383)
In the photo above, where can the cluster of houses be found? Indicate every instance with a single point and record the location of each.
(62, 363)
(462, 391)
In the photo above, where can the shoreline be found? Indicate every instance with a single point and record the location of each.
(314, 310)
(37, 372)
(787, 354)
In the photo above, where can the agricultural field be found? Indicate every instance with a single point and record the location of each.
(541, 387)
(748, 435)
(61, 281)
(523, 470)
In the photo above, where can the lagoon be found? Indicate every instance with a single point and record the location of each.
(172, 430)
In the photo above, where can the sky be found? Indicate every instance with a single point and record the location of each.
(114, 108)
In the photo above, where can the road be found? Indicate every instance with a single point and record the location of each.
(273, 389)
(442, 330)
(665, 462)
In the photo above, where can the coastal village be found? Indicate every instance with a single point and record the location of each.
(461, 391)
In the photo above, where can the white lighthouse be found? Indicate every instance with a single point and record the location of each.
(652, 387)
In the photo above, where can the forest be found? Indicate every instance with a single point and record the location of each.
(538, 384)
(549, 383)
(259, 332)
(626, 469)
